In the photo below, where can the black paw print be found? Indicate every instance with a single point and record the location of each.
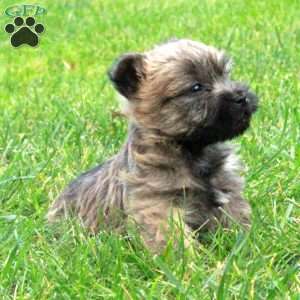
(26, 34)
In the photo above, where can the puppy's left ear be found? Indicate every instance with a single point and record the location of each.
(127, 73)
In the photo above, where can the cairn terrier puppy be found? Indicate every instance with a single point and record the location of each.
(182, 107)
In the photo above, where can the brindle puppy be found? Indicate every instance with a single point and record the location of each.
(182, 107)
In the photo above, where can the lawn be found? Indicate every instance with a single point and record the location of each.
(57, 119)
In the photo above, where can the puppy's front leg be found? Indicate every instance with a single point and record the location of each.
(154, 218)
(236, 210)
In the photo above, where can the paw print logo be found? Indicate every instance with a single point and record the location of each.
(24, 33)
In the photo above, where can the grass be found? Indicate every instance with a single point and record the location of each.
(56, 120)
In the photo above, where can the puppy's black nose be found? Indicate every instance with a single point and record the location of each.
(240, 100)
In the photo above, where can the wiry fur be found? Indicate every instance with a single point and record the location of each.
(174, 156)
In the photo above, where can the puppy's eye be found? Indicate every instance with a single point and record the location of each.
(197, 88)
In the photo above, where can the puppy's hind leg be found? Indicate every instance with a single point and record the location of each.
(74, 199)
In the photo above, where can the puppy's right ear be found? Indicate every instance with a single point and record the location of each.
(127, 73)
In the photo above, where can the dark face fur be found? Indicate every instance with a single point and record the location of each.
(182, 89)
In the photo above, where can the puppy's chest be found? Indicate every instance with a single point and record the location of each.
(204, 167)
(205, 178)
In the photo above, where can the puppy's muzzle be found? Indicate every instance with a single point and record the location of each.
(239, 94)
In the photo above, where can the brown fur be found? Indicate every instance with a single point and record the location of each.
(174, 158)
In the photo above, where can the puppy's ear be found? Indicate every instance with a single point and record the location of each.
(126, 74)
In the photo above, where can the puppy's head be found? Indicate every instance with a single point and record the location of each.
(183, 90)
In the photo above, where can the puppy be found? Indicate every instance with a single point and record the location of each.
(182, 107)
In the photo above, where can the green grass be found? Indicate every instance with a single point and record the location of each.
(56, 120)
